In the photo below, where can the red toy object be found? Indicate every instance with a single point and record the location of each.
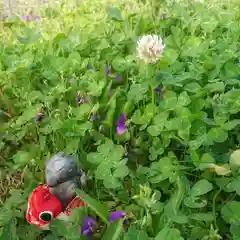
(75, 203)
(56, 198)
(43, 206)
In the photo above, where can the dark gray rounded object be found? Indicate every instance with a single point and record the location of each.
(60, 168)
(63, 175)
(64, 191)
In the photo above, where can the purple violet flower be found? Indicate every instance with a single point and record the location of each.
(26, 18)
(29, 18)
(116, 216)
(39, 117)
(118, 78)
(158, 89)
(108, 70)
(107, 73)
(121, 124)
(36, 18)
(88, 227)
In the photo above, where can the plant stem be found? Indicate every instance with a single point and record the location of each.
(153, 98)
(5, 113)
(214, 208)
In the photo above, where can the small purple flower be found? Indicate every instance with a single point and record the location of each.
(26, 18)
(157, 90)
(108, 69)
(36, 18)
(121, 124)
(29, 18)
(39, 116)
(118, 78)
(116, 216)
(88, 226)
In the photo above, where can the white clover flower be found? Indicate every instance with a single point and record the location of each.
(150, 48)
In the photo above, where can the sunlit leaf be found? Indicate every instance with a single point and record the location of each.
(114, 231)
(115, 14)
(99, 208)
(169, 234)
(231, 212)
(195, 202)
(235, 158)
(201, 187)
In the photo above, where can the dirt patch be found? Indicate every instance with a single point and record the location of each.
(9, 182)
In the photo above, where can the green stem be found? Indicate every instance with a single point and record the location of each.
(6, 114)
(149, 78)
(179, 193)
(153, 96)
(167, 223)
(214, 208)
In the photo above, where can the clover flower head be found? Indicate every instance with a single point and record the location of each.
(150, 48)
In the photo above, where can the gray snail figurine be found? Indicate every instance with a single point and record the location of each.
(63, 175)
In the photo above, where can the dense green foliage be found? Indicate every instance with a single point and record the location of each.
(176, 168)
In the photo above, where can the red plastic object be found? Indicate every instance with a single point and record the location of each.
(42, 202)
(75, 203)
